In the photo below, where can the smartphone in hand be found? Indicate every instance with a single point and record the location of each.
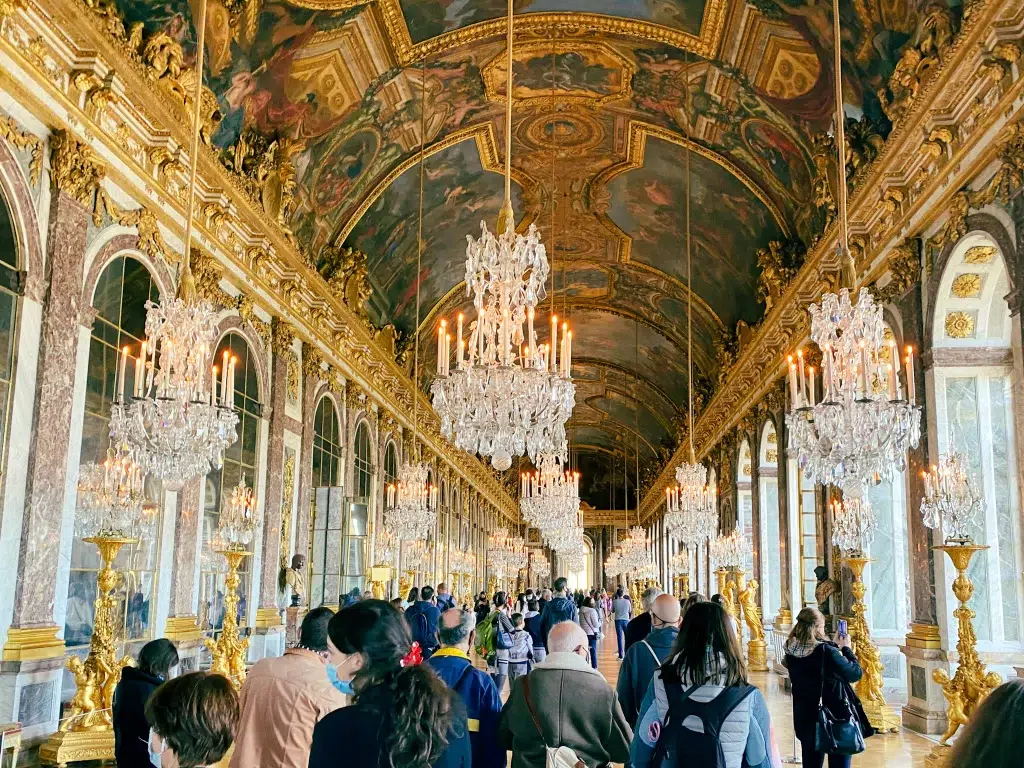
(843, 627)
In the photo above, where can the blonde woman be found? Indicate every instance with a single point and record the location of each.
(821, 670)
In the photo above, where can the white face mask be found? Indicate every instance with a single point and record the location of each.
(156, 757)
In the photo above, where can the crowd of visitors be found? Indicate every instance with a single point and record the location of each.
(377, 685)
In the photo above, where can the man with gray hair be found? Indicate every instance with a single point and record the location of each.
(639, 627)
(569, 703)
(451, 661)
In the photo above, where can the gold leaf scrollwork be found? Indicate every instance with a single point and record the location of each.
(75, 168)
(247, 312)
(281, 337)
(933, 41)
(959, 325)
(207, 273)
(311, 362)
(779, 264)
(23, 140)
(904, 266)
(150, 242)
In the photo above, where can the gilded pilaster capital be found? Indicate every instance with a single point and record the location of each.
(311, 361)
(281, 337)
(75, 168)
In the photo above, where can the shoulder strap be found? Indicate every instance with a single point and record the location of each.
(657, 661)
(714, 713)
(821, 692)
(533, 712)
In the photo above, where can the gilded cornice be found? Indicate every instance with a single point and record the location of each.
(972, 100)
(145, 132)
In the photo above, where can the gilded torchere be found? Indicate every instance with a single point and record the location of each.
(971, 683)
(869, 688)
(86, 733)
(229, 650)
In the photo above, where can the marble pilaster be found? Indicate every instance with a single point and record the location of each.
(311, 373)
(268, 618)
(182, 625)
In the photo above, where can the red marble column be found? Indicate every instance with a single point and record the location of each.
(75, 176)
(182, 623)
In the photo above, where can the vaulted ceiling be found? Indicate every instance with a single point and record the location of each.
(611, 98)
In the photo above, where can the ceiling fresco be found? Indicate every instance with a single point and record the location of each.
(607, 95)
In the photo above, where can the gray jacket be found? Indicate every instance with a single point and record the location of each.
(576, 709)
(638, 669)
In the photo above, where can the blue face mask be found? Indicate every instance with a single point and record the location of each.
(155, 757)
(341, 686)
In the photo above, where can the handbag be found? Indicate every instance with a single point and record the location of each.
(502, 638)
(836, 735)
(554, 757)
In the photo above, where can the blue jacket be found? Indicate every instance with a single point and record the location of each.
(638, 669)
(429, 611)
(557, 610)
(483, 704)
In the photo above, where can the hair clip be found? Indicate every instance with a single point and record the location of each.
(413, 657)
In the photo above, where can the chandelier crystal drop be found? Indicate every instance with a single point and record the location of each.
(506, 553)
(861, 427)
(111, 497)
(680, 561)
(540, 565)
(632, 556)
(237, 523)
(853, 523)
(417, 555)
(175, 420)
(732, 551)
(550, 501)
(952, 498)
(411, 503)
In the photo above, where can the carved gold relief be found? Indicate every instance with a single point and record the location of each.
(151, 242)
(980, 254)
(904, 266)
(966, 286)
(293, 377)
(74, 168)
(959, 325)
(933, 41)
(247, 312)
(281, 337)
(23, 140)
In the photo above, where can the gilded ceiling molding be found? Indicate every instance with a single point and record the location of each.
(608, 365)
(576, 22)
(75, 168)
(260, 252)
(970, 94)
(487, 147)
(636, 144)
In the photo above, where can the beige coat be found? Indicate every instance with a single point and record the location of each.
(282, 699)
(577, 708)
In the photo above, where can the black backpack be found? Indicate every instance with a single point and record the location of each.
(701, 749)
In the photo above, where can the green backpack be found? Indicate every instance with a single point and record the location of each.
(485, 642)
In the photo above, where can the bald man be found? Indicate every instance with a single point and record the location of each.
(644, 657)
(572, 705)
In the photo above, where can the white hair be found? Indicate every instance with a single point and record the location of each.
(649, 596)
(566, 636)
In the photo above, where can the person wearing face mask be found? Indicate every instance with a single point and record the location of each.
(402, 714)
(644, 657)
(158, 661)
(283, 698)
(192, 721)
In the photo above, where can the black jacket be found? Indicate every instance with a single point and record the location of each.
(841, 670)
(353, 736)
(638, 629)
(131, 730)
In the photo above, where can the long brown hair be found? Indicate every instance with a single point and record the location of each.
(706, 650)
(416, 708)
(809, 627)
(992, 737)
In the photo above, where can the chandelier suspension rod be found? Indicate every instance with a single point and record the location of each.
(636, 412)
(186, 270)
(506, 208)
(419, 254)
(689, 312)
(841, 146)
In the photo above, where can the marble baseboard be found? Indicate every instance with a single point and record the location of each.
(923, 721)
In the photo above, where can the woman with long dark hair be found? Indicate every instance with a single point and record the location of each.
(992, 738)
(703, 681)
(402, 715)
(157, 662)
(821, 671)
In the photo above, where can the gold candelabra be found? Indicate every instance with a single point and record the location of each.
(87, 731)
(229, 650)
(466, 584)
(971, 683)
(684, 584)
(869, 687)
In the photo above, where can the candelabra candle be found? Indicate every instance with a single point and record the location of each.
(952, 498)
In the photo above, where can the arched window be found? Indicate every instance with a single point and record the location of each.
(123, 288)
(240, 461)
(10, 279)
(327, 448)
(771, 541)
(390, 463)
(357, 513)
(744, 499)
(974, 411)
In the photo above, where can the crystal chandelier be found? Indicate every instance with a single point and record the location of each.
(111, 496)
(550, 501)
(691, 507)
(237, 522)
(508, 393)
(853, 523)
(732, 551)
(861, 428)
(498, 550)
(411, 503)
(416, 555)
(385, 546)
(680, 561)
(540, 565)
(952, 498)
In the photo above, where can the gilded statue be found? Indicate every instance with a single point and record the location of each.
(387, 339)
(292, 581)
(83, 712)
(751, 613)
(779, 264)
(864, 142)
(933, 41)
(210, 114)
(729, 599)
(164, 58)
